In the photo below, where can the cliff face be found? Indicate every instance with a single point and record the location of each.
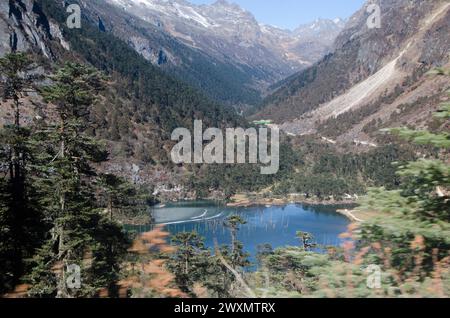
(23, 27)
(370, 73)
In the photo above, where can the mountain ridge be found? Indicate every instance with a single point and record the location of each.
(369, 74)
(226, 31)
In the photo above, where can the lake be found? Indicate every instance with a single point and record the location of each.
(275, 225)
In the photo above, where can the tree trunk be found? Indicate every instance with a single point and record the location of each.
(16, 112)
(186, 265)
(61, 285)
(110, 208)
(233, 241)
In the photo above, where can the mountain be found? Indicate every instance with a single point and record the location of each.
(23, 27)
(141, 105)
(232, 35)
(220, 49)
(326, 30)
(315, 40)
(224, 81)
(374, 78)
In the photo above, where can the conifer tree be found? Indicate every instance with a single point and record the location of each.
(238, 257)
(121, 198)
(81, 235)
(306, 240)
(190, 261)
(21, 226)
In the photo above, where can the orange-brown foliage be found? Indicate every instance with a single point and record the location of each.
(150, 278)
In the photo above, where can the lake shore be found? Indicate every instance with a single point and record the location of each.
(248, 200)
(245, 200)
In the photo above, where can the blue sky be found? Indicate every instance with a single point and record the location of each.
(291, 13)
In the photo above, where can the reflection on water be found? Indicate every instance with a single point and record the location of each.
(274, 225)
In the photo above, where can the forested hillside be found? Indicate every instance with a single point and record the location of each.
(141, 105)
(147, 83)
(221, 80)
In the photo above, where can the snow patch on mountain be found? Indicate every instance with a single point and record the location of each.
(190, 14)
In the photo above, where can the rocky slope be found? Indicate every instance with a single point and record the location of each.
(374, 78)
(23, 27)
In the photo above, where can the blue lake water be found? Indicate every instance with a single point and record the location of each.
(275, 225)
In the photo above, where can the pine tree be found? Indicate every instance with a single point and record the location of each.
(216, 277)
(120, 198)
(21, 226)
(306, 240)
(237, 256)
(81, 234)
(190, 261)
